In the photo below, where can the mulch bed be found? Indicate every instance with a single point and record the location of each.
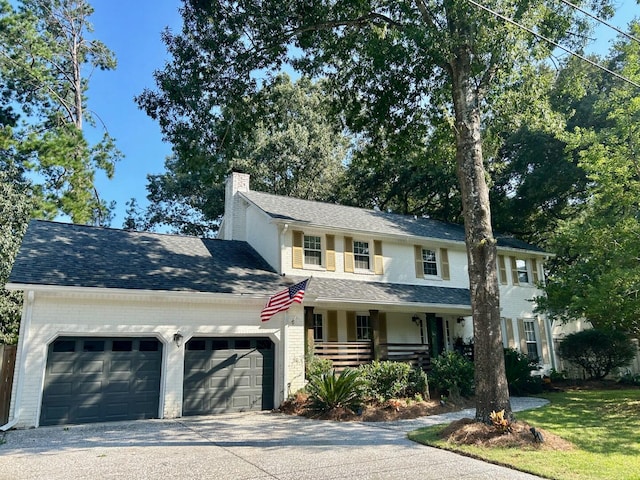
(462, 432)
(393, 410)
(467, 431)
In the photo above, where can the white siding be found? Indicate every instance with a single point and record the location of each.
(153, 315)
(399, 262)
(263, 236)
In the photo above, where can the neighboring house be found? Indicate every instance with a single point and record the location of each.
(122, 325)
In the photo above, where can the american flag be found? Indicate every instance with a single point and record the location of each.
(281, 301)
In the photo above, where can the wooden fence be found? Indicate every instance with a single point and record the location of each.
(7, 366)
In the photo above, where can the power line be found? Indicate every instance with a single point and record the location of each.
(556, 44)
(589, 14)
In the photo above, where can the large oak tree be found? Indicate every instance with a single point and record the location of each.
(392, 63)
(284, 136)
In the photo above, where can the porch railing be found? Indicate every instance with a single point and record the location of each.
(416, 354)
(345, 355)
(354, 354)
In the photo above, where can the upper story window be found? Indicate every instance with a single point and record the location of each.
(361, 255)
(358, 256)
(312, 250)
(363, 327)
(522, 270)
(429, 262)
(318, 333)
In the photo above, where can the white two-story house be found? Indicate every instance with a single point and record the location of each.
(122, 325)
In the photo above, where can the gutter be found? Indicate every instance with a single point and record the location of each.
(25, 325)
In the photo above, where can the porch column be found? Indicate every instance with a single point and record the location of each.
(308, 331)
(374, 319)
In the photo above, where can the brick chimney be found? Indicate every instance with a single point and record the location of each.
(233, 222)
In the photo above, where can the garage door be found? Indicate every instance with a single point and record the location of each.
(228, 375)
(101, 379)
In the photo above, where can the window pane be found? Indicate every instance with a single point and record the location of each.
(523, 273)
(312, 250)
(217, 344)
(317, 328)
(196, 345)
(93, 346)
(361, 255)
(64, 346)
(122, 346)
(429, 262)
(530, 338)
(363, 330)
(149, 345)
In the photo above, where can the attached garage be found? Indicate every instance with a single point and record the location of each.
(228, 375)
(96, 379)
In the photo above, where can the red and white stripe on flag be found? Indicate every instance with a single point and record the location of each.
(281, 301)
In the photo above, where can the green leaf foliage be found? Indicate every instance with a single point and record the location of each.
(329, 391)
(518, 368)
(283, 135)
(453, 375)
(386, 380)
(46, 59)
(599, 352)
(15, 210)
(596, 273)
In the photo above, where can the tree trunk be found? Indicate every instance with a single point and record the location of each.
(491, 385)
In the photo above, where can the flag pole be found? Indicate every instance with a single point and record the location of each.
(285, 366)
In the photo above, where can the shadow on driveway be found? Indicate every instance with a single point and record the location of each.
(234, 446)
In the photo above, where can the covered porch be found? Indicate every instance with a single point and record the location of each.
(354, 322)
(352, 338)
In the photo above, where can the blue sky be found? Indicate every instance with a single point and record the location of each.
(131, 29)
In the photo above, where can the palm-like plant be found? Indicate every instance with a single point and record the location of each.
(329, 391)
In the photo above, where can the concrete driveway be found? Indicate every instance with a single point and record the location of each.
(239, 447)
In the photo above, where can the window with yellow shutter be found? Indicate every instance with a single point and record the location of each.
(312, 250)
(431, 262)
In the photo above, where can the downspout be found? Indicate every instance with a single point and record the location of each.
(282, 245)
(25, 325)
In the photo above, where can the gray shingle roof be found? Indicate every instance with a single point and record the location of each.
(353, 219)
(62, 254)
(389, 293)
(74, 255)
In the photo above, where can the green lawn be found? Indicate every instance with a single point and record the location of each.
(603, 425)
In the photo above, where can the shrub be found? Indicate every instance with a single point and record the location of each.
(556, 376)
(316, 366)
(629, 378)
(385, 380)
(451, 373)
(599, 352)
(418, 385)
(328, 391)
(518, 370)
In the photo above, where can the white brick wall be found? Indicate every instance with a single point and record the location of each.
(155, 315)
